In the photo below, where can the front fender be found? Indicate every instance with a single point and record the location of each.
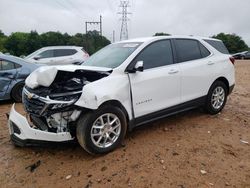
(114, 87)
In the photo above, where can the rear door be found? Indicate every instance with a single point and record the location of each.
(8, 73)
(158, 86)
(197, 69)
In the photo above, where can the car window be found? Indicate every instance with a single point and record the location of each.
(6, 65)
(156, 55)
(46, 54)
(17, 66)
(204, 51)
(218, 45)
(187, 50)
(112, 55)
(64, 52)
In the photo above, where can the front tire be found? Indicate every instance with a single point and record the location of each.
(216, 98)
(101, 131)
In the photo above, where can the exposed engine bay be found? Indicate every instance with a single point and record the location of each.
(52, 108)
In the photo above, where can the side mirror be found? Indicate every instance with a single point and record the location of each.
(37, 58)
(139, 66)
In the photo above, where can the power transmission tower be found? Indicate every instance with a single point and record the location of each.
(124, 4)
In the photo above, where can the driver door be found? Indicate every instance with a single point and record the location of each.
(158, 86)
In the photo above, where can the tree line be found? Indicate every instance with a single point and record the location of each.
(22, 44)
(233, 42)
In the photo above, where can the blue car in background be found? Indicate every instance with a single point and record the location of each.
(13, 72)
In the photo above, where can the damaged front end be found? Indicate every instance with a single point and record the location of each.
(50, 105)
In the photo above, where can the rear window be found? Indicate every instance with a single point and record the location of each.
(218, 45)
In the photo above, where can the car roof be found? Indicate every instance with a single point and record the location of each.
(12, 58)
(148, 39)
(61, 47)
(17, 60)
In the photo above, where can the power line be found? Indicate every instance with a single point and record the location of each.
(61, 4)
(110, 5)
(69, 2)
(124, 4)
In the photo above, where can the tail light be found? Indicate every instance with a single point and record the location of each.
(232, 60)
(86, 55)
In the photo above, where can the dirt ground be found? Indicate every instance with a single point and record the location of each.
(192, 149)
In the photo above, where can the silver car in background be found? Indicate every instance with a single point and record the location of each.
(13, 72)
(58, 55)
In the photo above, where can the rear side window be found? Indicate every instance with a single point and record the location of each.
(156, 55)
(204, 51)
(218, 45)
(187, 50)
(64, 52)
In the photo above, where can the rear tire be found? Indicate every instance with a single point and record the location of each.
(216, 98)
(96, 134)
(16, 92)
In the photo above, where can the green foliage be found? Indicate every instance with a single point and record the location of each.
(2, 41)
(233, 42)
(20, 43)
(94, 42)
(17, 43)
(162, 34)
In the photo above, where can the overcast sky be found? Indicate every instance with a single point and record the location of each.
(182, 17)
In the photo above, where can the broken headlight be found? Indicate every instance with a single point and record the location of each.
(63, 100)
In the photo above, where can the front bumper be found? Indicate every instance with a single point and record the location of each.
(22, 134)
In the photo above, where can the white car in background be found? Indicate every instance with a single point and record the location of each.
(58, 55)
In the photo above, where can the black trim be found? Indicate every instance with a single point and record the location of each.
(167, 112)
(174, 50)
(231, 89)
(29, 142)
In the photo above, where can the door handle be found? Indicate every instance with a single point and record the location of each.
(173, 71)
(210, 63)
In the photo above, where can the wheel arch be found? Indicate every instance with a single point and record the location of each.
(117, 104)
(224, 80)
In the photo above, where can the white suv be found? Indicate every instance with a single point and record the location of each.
(122, 86)
(58, 55)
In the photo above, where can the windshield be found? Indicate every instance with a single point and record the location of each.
(31, 55)
(112, 56)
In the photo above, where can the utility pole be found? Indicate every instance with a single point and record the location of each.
(124, 4)
(86, 31)
(94, 23)
(113, 36)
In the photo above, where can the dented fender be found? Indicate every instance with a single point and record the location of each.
(114, 87)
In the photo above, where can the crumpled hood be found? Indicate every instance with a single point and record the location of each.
(45, 75)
